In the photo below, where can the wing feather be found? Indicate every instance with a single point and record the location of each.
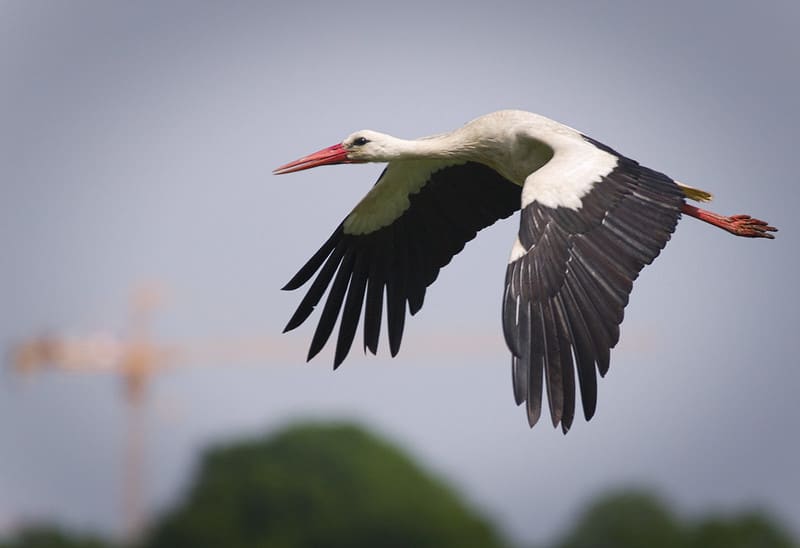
(352, 308)
(374, 304)
(317, 288)
(575, 276)
(374, 260)
(330, 312)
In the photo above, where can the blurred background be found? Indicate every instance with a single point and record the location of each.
(144, 241)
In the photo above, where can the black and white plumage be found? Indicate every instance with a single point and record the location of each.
(590, 220)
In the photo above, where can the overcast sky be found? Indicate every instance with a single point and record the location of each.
(137, 143)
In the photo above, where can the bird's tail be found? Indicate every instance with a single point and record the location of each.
(695, 193)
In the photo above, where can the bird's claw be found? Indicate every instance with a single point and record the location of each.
(745, 225)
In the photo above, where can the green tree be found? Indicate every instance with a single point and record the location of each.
(625, 519)
(50, 536)
(319, 485)
(748, 530)
(637, 519)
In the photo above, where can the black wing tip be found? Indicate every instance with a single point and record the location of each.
(373, 349)
(313, 351)
(295, 322)
(555, 418)
(291, 285)
(589, 410)
(564, 421)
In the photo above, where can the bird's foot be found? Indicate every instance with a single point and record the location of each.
(738, 225)
(745, 225)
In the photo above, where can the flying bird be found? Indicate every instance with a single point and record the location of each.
(590, 220)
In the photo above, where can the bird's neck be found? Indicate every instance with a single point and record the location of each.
(440, 147)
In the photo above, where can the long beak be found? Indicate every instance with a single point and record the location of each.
(335, 154)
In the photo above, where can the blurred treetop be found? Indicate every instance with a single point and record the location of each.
(638, 519)
(319, 485)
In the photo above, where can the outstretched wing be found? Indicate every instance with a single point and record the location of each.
(572, 270)
(393, 244)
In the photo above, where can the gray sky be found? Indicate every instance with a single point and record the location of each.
(137, 144)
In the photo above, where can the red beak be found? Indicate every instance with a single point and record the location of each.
(335, 154)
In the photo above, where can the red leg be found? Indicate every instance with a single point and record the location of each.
(738, 225)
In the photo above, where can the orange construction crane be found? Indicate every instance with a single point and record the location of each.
(136, 357)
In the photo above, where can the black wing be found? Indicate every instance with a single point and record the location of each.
(565, 296)
(400, 260)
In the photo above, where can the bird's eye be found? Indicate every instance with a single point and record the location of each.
(360, 141)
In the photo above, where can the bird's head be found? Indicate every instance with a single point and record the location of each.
(361, 146)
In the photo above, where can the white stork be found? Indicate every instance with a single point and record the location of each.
(590, 220)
